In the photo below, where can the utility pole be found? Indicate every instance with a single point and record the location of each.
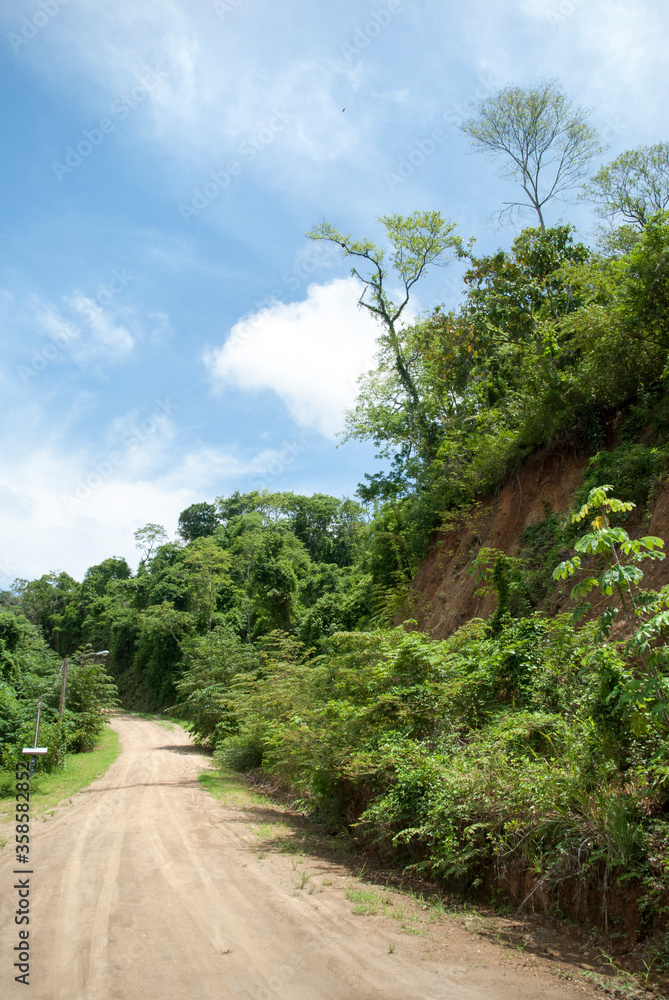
(64, 667)
(61, 711)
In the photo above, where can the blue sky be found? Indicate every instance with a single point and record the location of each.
(169, 334)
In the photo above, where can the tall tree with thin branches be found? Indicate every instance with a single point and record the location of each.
(545, 141)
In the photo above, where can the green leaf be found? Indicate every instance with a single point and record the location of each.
(567, 568)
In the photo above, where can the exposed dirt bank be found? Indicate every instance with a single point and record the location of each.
(444, 592)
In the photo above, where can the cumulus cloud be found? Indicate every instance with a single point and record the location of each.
(310, 353)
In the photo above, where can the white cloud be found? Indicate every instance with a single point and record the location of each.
(309, 353)
(61, 510)
(90, 334)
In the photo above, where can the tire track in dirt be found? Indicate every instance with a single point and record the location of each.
(100, 835)
(97, 964)
(146, 888)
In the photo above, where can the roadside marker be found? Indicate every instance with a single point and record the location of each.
(34, 752)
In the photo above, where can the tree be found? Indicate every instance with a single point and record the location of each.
(148, 538)
(633, 187)
(97, 578)
(644, 295)
(210, 564)
(43, 600)
(159, 655)
(548, 141)
(197, 521)
(613, 567)
(416, 243)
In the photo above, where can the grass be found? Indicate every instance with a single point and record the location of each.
(366, 901)
(280, 830)
(47, 790)
(231, 788)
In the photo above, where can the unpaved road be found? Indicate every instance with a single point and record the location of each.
(147, 888)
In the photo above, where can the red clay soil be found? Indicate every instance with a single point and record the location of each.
(444, 592)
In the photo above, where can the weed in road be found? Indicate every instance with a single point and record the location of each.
(366, 901)
(304, 879)
(269, 831)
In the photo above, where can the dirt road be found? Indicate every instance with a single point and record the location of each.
(147, 888)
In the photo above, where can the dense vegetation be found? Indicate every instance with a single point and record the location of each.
(528, 743)
(30, 669)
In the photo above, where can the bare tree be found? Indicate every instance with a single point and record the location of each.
(546, 140)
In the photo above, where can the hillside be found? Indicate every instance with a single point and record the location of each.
(446, 590)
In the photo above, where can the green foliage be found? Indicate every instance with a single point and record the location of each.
(483, 750)
(634, 186)
(547, 142)
(198, 521)
(148, 539)
(203, 688)
(644, 302)
(29, 670)
(607, 545)
(537, 354)
(159, 651)
(542, 545)
(416, 243)
(634, 670)
(44, 602)
(90, 695)
(634, 470)
(507, 576)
